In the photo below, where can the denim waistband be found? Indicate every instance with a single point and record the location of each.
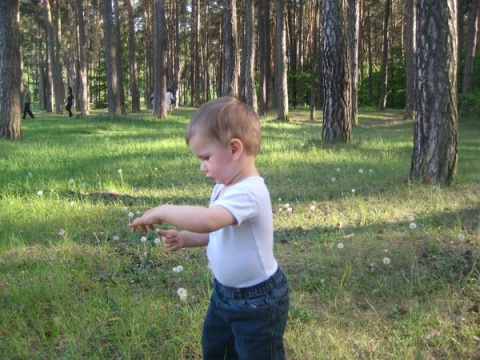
(275, 281)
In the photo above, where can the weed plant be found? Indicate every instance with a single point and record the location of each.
(378, 267)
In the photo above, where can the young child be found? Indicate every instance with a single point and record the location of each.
(248, 308)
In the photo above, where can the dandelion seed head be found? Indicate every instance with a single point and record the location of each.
(131, 214)
(286, 206)
(461, 237)
(143, 239)
(119, 171)
(339, 170)
(386, 260)
(72, 203)
(360, 171)
(312, 208)
(39, 192)
(124, 208)
(413, 226)
(182, 294)
(71, 181)
(139, 212)
(61, 232)
(135, 166)
(340, 246)
(116, 238)
(157, 241)
(353, 191)
(411, 218)
(289, 210)
(333, 179)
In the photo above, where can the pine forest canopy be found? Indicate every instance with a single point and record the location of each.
(195, 51)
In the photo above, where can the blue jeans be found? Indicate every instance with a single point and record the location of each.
(247, 323)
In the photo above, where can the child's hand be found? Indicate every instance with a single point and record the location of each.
(172, 240)
(146, 222)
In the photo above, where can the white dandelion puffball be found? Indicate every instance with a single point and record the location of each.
(339, 170)
(353, 191)
(116, 237)
(139, 212)
(461, 237)
(119, 171)
(71, 181)
(131, 214)
(157, 241)
(178, 269)
(72, 203)
(411, 218)
(333, 179)
(289, 210)
(386, 260)
(360, 171)
(61, 232)
(182, 293)
(413, 226)
(135, 166)
(124, 208)
(312, 208)
(286, 206)
(39, 192)
(340, 246)
(143, 239)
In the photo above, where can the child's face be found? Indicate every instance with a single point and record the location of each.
(216, 159)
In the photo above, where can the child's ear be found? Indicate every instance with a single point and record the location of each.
(236, 147)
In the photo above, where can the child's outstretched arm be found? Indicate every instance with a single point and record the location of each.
(196, 219)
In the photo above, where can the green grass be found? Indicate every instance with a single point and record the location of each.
(76, 284)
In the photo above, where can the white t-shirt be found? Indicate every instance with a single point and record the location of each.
(241, 255)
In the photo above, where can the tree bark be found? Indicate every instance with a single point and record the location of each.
(264, 57)
(337, 121)
(82, 90)
(382, 102)
(132, 59)
(434, 158)
(231, 67)
(354, 33)
(159, 59)
(281, 87)
(410, 51)
(10, 70)
(249, 53)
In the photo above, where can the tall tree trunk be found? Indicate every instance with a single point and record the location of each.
(313, 61)
(58, 85)
(118, 58)
(159, 59)
(249, 53)
(281, 88)
(231, 67)
(82, 90)
(337, 115)
(264, 57)
(382, 102)
(10, 70)
(40, 59)
(354, 33)
(410, 33)
(111, 54)
(132, 59)
(50, 57)
(434, 158)
(470, 48)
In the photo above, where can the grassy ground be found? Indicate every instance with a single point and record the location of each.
(379, 268)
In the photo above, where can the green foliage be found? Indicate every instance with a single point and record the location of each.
(365, 282)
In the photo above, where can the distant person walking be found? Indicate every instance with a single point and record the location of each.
(27, 101)
(169, 100)
(69, 101)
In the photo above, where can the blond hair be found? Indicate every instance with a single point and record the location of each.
(224, 119)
